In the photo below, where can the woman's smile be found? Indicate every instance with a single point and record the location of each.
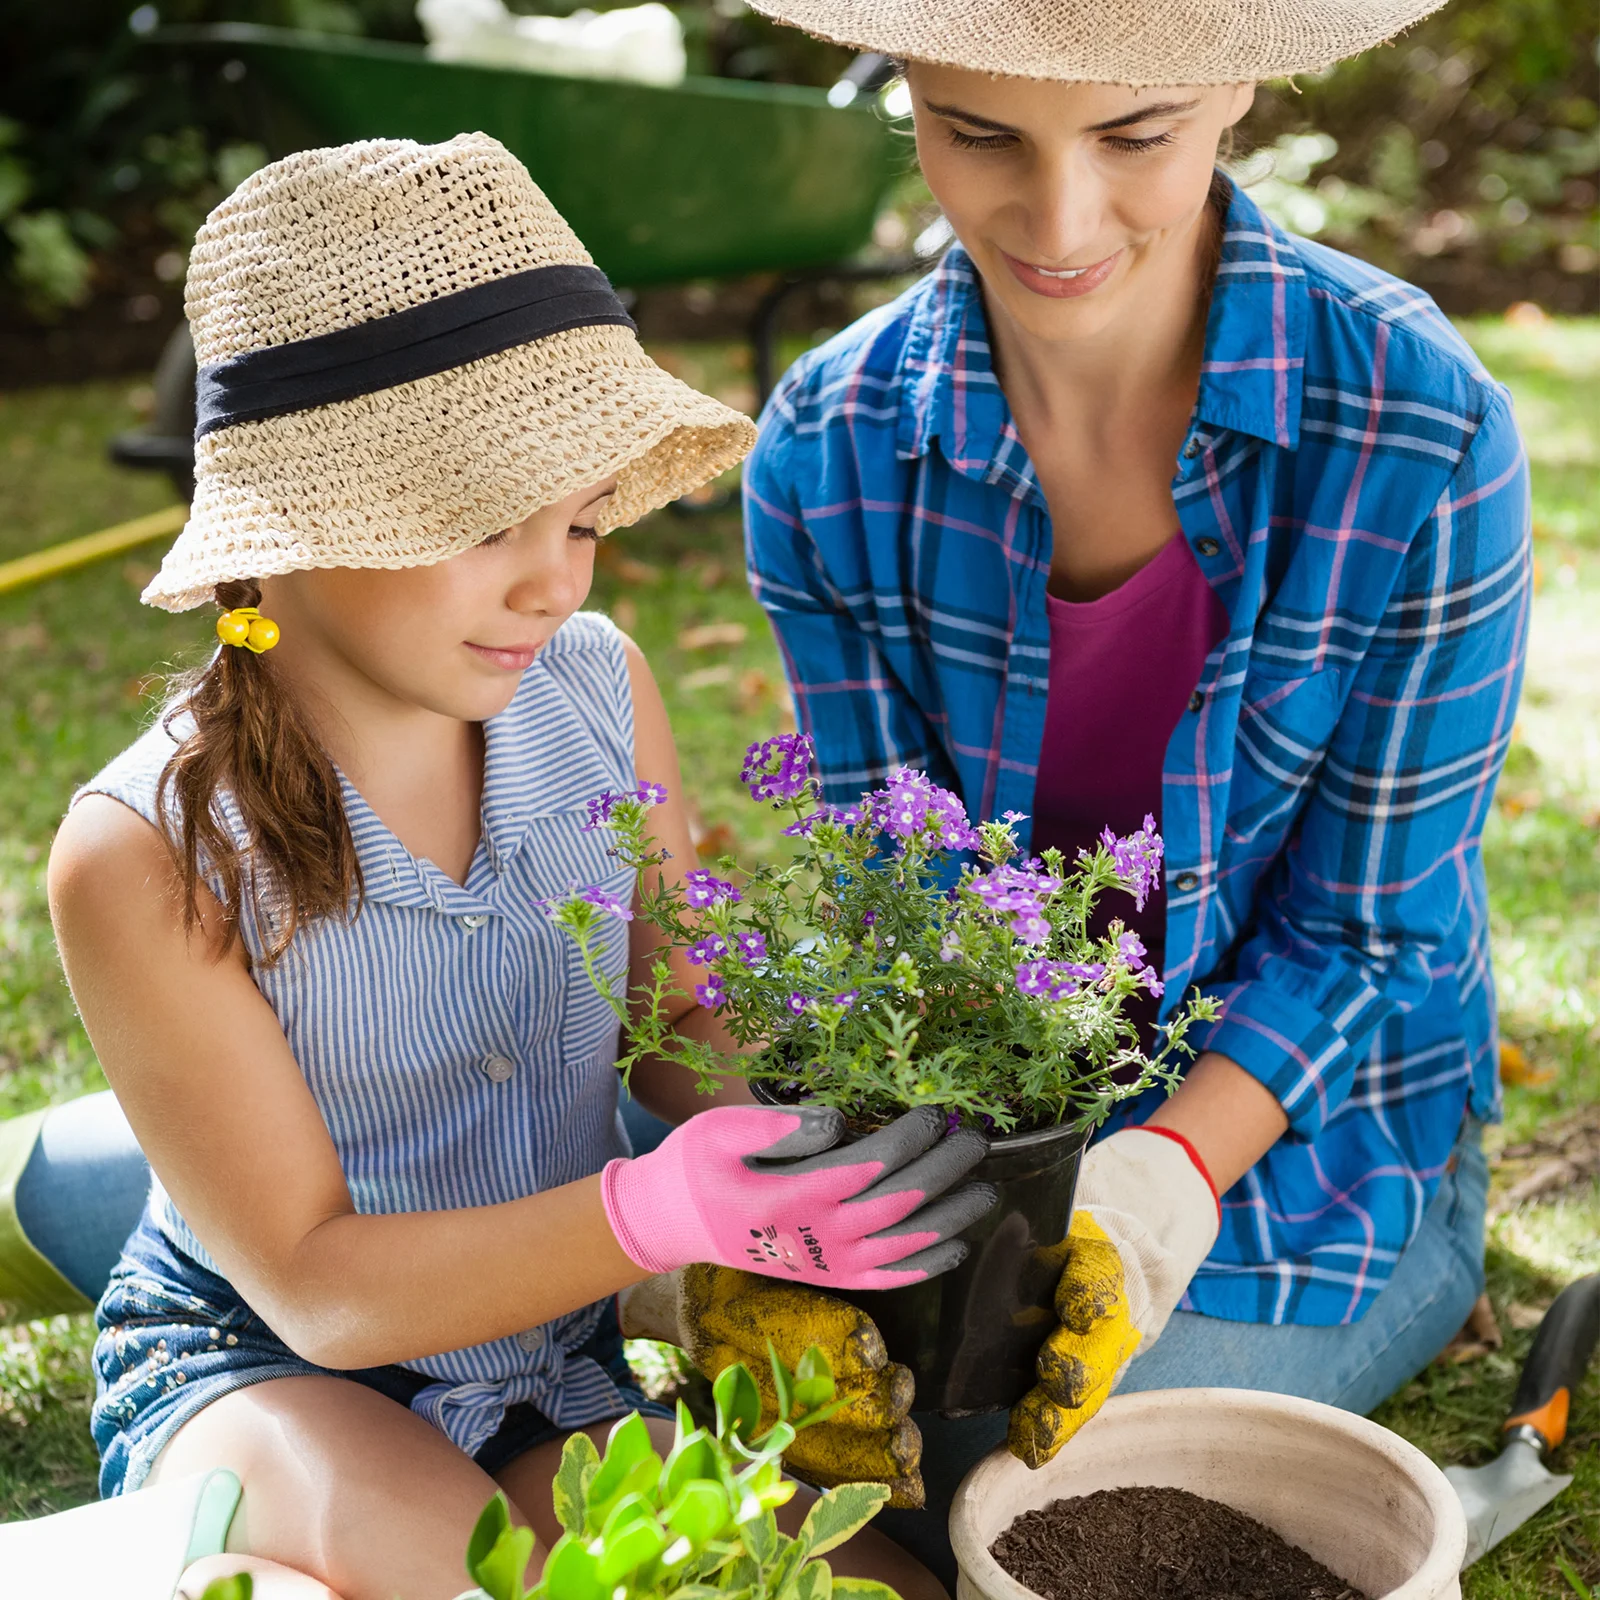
(1061, 283)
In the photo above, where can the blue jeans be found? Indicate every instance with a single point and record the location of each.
(1435, 1282)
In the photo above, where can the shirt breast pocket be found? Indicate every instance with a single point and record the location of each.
(1286, 727)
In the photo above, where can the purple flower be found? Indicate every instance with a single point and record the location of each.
(1131, 948)
(600, 808)
(702, 889)
(1137, 859)
(607, 903)
(778, 769)
(1149, 979)
(950, 947)
(752, 948)
(712, 993)
(1014, 888)
(1030, 924)
(868, 918)
(708, 949)
(949, 818)
(1085, 971)
(847, 999)
(1016, 816)
(1046, 980)
(798, 1003)
(952, 1121)
(652, 794)
(843, 816)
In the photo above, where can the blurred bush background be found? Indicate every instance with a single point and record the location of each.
(1466, 157)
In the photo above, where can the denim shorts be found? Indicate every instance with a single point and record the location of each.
(175, 1336)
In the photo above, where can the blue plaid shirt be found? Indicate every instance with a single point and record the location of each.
(1354, 489)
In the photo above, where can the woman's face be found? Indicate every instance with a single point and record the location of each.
(1074, 200)
(454, 637)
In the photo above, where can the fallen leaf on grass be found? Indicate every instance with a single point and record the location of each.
(1524, 800)
(1478, 1336)
(1559, 1156)
(626, 567)
(706, 678)
(1517, 1070)
(708, 635)
(717, 841)
(756, 690)
(1523, 1317)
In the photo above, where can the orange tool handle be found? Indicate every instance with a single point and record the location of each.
(1556, 1364)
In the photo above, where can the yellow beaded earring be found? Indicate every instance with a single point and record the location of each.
(246, 629)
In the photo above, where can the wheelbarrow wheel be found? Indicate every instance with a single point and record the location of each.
(167, 445)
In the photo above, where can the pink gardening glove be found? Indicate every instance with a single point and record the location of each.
(774, 1192)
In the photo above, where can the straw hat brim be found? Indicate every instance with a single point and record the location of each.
(411, 475)
(1135, 42)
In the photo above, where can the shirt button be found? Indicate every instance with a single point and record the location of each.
(473, 920)
(1207, 547)
(1191, 450)
(1196, 700)
(531, 1339)
(496, 1068)
(1186, 881)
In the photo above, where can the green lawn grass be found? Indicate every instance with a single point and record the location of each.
(79, 658)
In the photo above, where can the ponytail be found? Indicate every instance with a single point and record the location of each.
(290, 852)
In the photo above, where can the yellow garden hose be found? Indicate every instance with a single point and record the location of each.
(71, 553)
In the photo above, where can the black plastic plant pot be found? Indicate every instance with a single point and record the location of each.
(970, 1336)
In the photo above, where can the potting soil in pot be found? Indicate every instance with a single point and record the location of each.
(1158, 1544)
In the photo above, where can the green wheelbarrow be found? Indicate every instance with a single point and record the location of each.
(712, 178)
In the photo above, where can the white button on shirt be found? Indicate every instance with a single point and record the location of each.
(497, 1068)
(473, 920)
(531, 1338)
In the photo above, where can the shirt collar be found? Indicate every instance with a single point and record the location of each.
(1250, 378)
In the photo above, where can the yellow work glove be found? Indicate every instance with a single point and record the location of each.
(1144, 1218)
(719, 1316)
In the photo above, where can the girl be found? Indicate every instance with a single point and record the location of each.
(1138, 506)
(302, 916)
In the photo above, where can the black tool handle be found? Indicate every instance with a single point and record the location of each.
(1556, 1364)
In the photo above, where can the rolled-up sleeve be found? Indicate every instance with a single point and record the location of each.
(1375, 876)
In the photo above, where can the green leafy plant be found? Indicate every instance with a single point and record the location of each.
(697, 1524)
(876, 972)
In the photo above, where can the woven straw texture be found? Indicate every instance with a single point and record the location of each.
(412, 474)
(1138, 42)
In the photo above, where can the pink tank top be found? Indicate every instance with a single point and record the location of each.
(1123, 669)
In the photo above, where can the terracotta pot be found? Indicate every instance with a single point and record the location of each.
(1354, 1496)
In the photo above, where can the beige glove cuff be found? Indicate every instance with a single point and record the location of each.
(1157, 1207)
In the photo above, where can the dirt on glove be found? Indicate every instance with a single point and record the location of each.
(1158, 1544)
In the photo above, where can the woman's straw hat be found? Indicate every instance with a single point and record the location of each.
(1137, 42)
(403, 349)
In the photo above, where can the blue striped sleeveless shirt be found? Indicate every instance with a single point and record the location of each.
(457, 1051)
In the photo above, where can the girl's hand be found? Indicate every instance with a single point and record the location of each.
(772, 1191)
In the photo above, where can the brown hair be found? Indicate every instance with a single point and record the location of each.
(288, 849)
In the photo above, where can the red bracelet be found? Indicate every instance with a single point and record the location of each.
(1194, 1156)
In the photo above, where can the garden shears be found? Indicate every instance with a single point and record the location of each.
(1500, 1496)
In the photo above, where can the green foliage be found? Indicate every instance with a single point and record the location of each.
(1466, 154)
(871, 974)
(698, 1525)
(240, 1586)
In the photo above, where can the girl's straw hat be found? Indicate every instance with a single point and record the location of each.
(403, 349)
(1137, 42)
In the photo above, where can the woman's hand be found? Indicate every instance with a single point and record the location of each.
(773, 1191)
(1144, 1219)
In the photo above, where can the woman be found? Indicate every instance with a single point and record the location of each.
(305, 915)
(1136, 505)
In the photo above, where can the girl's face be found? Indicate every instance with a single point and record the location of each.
(1074, 200)
(454, 637)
